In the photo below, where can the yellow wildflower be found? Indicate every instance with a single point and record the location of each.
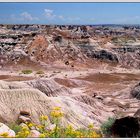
(43, 117)
(40, 126)
(5, 134)
(95, 135)
(26, 132)
(30, 125)
(78, 134)
(91, 126)
(17, 136)
(42, 135)
(24, 128)
(57, 108)
(56, 114)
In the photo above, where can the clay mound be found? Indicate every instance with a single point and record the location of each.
(37, 48)
(39, 44)
(39, 96)
(12, 85)
(49, 87)
(12, 102)
(97, 105)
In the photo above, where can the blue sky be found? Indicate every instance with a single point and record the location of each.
(70, 13)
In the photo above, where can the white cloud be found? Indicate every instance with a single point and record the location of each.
(25, 16)
(49, 14)
(28, 16)
(48, 11)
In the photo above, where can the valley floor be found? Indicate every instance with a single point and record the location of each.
(108, 87)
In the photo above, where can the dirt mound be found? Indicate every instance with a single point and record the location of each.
(49, 87)
(13, 101)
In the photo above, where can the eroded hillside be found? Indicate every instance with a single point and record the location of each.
(89, 71)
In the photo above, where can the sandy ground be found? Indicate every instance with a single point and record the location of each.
(97, 74)
(111, 83)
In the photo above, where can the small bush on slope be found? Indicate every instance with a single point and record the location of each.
(27, 71)
(15, 127)
(40, 72)
(106, 126)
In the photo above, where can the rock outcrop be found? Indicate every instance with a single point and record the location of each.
(49, 87)
(127, 127)
(136, 91)
(137, 114)
(105, 55)
(37, 103)
(42, 43)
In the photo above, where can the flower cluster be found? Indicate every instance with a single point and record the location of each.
(81, 133)
(57, 113)
(24, 132)
(54, 128)
(4, 135)
(44, 117)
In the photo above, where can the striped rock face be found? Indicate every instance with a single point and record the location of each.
(90, 72)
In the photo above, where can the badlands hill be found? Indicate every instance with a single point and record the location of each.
(91, 72)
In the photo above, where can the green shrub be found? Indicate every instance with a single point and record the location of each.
(106, 126)
(27, 71)
(15, 127)
(40, 72)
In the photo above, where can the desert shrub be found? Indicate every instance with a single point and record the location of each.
(15, 127)
(27, 71)
(40, 72)
(106, 126)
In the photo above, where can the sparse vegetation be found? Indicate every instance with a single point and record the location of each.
(106, 126)
(57, 131)
(15, 127)
(28, 71)
(40, 72)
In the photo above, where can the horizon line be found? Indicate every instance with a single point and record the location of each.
(100, 24)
